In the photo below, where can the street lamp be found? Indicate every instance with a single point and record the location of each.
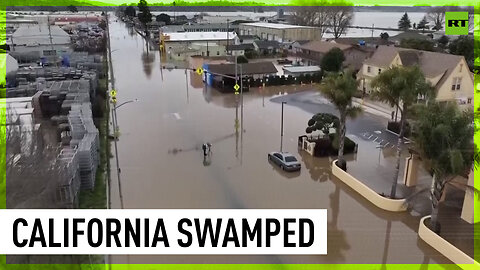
(115, 122)
(126, 102)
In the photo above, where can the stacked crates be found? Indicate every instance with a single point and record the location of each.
(67, 191)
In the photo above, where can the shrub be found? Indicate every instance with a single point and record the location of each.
(349, 146)
(395, 127)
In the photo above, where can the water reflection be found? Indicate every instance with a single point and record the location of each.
(318, 170)
(336, 240)
(147, 60)
(283, 173)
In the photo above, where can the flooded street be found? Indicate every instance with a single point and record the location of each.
(162, 164)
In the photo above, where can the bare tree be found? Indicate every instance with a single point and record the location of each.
(31, 166)
(437, 16)
(340, 19)
(323, 15)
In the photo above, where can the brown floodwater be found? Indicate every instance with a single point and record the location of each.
(162, 165)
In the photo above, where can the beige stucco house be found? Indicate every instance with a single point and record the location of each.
(448, 73)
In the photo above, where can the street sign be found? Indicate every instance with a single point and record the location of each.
(199, 71)
(113, 93)
(114, 100)
(236, 87)
(237, 93)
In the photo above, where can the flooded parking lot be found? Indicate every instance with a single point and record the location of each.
(162, 165)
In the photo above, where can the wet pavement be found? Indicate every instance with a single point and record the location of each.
(162, 164)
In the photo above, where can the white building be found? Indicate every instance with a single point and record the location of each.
(175, 42)
(44, 39)
(222, 19)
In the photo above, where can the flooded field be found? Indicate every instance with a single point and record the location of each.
(162, 165)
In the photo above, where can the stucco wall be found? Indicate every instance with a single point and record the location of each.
(393, 205)
(445, 248)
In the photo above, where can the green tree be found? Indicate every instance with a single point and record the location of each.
(463, 45)
(162, 17)
(443, 138)
(144, 15)
(72, 9)
(322, 122)
(340, 88)
(242, 59)
(417, 44)
(400, 87)
(384, 36)
(443, 41)
(332, 61)
(404, 22)
(423, 23)
(130, 11)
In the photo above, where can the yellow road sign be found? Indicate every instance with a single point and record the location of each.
(114, 100)
(199, 71)
(236, 87)
(237, 93)
(113, 93)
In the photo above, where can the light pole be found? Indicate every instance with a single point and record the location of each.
(115, 113)
(281, 129)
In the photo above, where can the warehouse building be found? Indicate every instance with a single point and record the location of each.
(280, 32)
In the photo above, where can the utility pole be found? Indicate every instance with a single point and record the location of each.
(51, 41)
(281, 129)
(228, 30)
(373, 26)
(241, 113)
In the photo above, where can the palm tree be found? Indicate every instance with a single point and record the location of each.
(340, 88)
(444, 139)
(400, 87)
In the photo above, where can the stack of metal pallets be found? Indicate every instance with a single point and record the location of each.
(85, 139)
(67, 190)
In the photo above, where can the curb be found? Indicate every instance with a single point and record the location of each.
(445, 248)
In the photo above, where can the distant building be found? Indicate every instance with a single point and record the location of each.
(197, 49)
(280, 32)
(221, 19)
(61, 21)
(295, 46)
(264, 47)
(213, 72)
(448, 73)
(397, 39)
(300, 70)
(240, 49)
(42, 40)
(246, 39)
(313, 52)
(364, 42)
(210, 27)
(176, 41)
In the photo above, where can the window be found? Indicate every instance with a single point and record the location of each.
(290, 159)
(218, 53)
(278, 156)
(369, 69)
(469, 100)
(49, 52)
(379, 70)
(456, 83)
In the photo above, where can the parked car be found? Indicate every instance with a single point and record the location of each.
(285, 161)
